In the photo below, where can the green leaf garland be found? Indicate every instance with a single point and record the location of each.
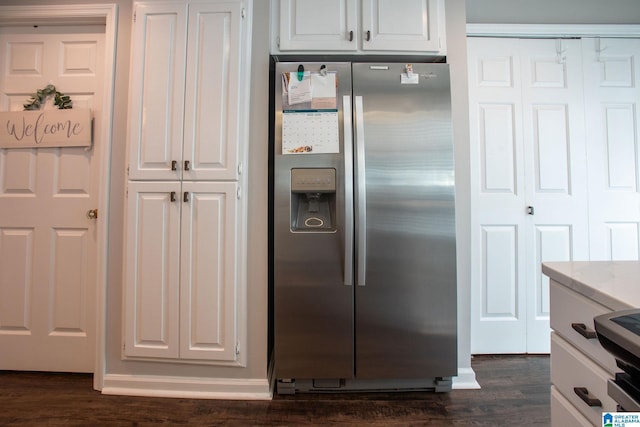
(63, 102)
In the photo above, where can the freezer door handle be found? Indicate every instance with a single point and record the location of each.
(348, 191)
(361, 200)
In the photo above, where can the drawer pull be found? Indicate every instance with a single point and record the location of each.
(582, 329)
(583, 394)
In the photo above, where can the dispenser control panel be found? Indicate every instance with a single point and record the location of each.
(316, 180)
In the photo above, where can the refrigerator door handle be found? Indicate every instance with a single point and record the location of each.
(361, 201)
(348, 191)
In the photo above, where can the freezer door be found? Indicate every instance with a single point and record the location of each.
(313, 291)
(405, 226)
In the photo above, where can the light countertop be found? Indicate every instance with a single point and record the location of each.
(614, 284)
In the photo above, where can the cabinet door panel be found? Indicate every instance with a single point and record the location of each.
(318, 25)
(208, 271)
(152, 269)
(157, 91)
(403, 25)
(212, 92)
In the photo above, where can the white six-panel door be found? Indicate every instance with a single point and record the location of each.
(529, 200)
(48, 245)
(612, 95)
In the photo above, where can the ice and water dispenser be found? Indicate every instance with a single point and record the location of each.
(313, 199)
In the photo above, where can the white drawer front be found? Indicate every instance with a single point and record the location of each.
(569, 369)
(564, 414)
(568, 308)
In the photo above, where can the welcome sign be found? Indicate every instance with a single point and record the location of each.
(45, 128)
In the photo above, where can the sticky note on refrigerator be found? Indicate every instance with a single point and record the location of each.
(299, 90)
(323, 86)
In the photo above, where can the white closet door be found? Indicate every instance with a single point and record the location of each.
(555, 171)
(612, 95)
(528, 190)
(498, 197)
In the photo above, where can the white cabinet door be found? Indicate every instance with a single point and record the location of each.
(208, 300)
(181, 270)
(212, 110)
(157, 91)
(401, 25)
(527, 139)
(152, 266)
(612, 95)
(318, 25)
(185, 91)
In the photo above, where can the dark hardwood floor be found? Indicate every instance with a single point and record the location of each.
(515, 392)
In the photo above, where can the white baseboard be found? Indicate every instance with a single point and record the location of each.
(466, 380)
(192, 388)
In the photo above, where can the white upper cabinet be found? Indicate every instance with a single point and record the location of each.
(185, 91)
(360, 26)
(318, 25)
(405, 25)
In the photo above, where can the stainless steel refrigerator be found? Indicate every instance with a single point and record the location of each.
(364, 250)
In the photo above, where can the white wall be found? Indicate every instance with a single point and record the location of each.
(553, 11)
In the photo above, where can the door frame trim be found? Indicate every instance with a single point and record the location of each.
(83, 14)
(553, 30)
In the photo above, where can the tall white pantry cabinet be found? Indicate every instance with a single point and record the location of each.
(186, 216)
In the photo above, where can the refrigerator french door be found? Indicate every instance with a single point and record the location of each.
(364, 273)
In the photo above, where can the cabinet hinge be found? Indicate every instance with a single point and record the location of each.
(237, 349)
(134, 17)
(239, 168)
(278, 41)
(239, 193)
(128, 167)
(242, 13)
